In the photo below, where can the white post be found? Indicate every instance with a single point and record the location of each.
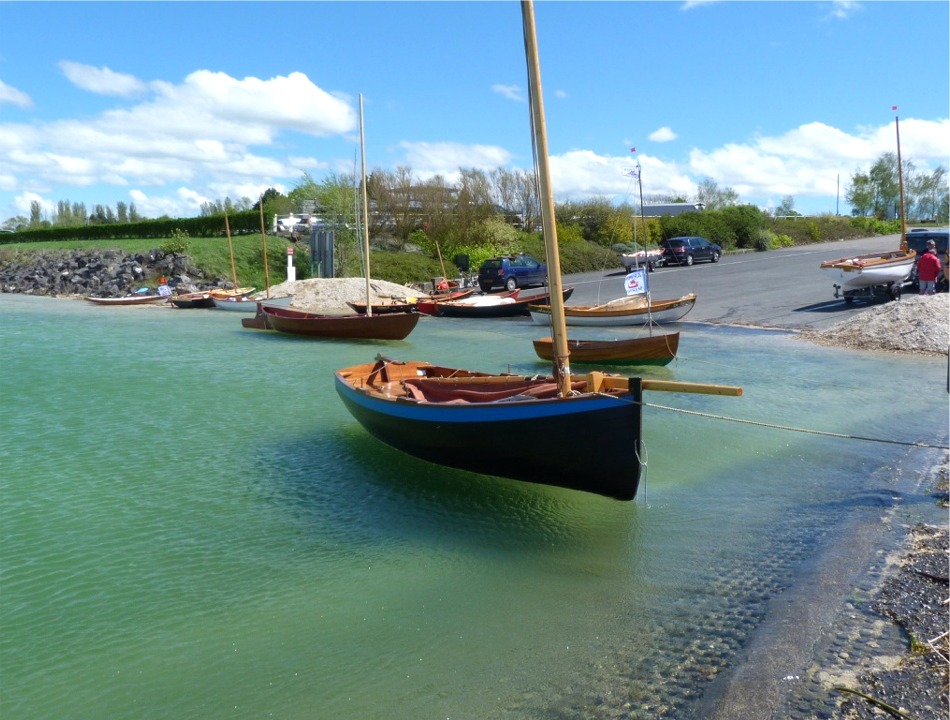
(291, 270)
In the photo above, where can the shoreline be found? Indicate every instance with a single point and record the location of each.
(839, 643)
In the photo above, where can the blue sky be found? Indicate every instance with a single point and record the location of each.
(172, 104)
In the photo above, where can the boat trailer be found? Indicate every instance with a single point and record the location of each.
(888, 291)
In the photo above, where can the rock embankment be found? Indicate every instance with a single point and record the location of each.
(104, 273)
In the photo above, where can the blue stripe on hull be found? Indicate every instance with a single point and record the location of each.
(590, 444)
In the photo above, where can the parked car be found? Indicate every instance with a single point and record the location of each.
(688, 249)
(512, 272)
(917, 241)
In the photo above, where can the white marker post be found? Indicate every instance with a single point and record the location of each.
(291, 270)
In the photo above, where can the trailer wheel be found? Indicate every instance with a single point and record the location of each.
(895, 291)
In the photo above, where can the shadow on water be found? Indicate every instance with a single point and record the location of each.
(346, 482)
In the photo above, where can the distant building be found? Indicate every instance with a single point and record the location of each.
(671, 209)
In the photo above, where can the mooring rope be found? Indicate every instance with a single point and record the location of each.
(807, 431)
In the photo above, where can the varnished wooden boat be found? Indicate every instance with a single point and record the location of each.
(626, 311)
(863, 271)
(498, 305)
(392, 326)
(429, 305)
(236, 292)
(657, 349)
(192, 300)
(384, 308)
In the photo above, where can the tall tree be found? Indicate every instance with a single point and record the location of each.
(786, 207)
(859, 193)
(713, 197)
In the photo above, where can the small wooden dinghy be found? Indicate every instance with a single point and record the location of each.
(650, 350)
(127, 300)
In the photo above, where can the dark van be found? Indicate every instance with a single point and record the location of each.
(917, 241)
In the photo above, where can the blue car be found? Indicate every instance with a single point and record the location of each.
(512, 272)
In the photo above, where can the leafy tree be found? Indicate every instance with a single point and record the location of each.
(134, 213)
(713, 197)
(527, 200)
(860, 194)
(787, 207)
(36, 213)
(122, 212)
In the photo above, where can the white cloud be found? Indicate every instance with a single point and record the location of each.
(101, 81)
(808, 161)
(691, 4)
(443, 158)
(12, 96)
(204, 130)
(511, 92)
(663, 134)
(843, 9)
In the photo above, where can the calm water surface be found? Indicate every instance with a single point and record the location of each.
(193, 527)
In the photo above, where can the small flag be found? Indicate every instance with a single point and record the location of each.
(893, 107)
(636, 282)
(633, 172)
(634, 149)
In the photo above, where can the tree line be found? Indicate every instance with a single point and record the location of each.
(877, 191)
(489, 208)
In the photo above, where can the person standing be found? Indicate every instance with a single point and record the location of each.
(928, 269)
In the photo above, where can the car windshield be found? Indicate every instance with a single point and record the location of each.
(919, 242)
(492, 264)
(676, 242)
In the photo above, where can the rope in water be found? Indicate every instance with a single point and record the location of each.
(807, 431)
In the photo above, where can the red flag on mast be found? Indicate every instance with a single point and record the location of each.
(633, 149)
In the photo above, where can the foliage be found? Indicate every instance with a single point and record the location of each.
(404, 267)
(177, 244)
(569, 233)
(768, 240)
(583, 256)
(713, 197)
(877, 191)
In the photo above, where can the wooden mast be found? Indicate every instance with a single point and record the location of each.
(900, 181)
(264, 243)
(369, 304)
(562, 366)
(227, 230)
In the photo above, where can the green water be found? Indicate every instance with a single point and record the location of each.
(193, 527)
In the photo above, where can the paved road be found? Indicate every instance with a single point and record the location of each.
(776, 289)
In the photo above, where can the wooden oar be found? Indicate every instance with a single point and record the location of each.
(688, 387)
(598, 381)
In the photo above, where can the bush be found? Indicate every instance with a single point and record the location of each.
(177, 244)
